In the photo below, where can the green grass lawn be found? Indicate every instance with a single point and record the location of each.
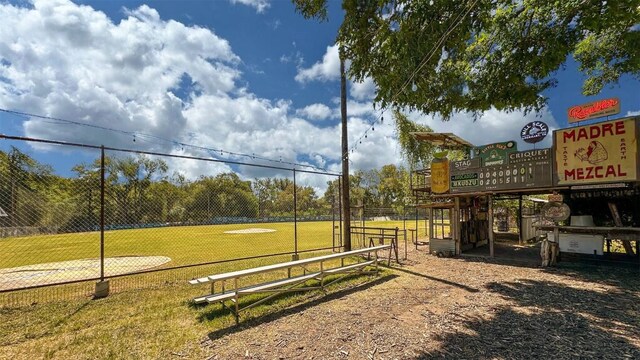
(184, 244)
(147, 323)
(147, 315)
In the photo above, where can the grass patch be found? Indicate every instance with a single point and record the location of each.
(143, 323)
(183, 244)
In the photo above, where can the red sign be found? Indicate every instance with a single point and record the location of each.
(594, 110)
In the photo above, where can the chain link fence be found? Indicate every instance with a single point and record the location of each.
(104, 213)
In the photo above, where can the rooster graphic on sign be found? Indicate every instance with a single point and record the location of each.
(595, 153)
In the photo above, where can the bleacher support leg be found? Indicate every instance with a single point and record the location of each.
(237, 312)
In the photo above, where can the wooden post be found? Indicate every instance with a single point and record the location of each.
(430, 236)
(456, 224)
(520, 239)
(345, 158)
(490, 221)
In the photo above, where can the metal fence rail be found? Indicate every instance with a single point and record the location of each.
(115, 213)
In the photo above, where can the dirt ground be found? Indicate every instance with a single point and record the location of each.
(462, 308)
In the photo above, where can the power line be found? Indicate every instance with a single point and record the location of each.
(140, 135)
(422, 63)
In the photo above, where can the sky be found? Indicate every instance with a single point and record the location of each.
(247, 77)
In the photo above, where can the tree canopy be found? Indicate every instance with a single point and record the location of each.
(472, 55)
(141, 191)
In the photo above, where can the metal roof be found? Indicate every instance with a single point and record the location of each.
(443, 140)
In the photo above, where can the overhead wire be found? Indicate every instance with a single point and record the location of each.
(140, 135)
(421, 65)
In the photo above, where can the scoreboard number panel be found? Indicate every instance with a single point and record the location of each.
(526, 169)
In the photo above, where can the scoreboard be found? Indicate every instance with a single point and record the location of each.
(522, 170)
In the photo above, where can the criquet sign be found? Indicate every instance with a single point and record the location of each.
(594, 110)
(599, 153)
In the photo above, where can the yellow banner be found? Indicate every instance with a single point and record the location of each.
(597, 153)
(440, 177)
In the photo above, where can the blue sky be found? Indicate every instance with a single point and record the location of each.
(246, 76)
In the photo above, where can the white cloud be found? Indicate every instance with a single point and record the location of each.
(296, 58)
(316, 112)
(275, 24)
(326, 70)
(192, 168)
(493, 126)
(365, 90)
(64, 60)
(259, 5)
(70, 61)
(378, 148)
(145, 75)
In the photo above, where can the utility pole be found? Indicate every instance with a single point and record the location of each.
(345, 158)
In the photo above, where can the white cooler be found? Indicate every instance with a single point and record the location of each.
(581, 243)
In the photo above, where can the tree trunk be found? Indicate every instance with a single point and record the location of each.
(345, 158)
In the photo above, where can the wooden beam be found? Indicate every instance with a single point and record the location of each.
(456, 225)
(490, 218)
(431, 226)
(519, 219)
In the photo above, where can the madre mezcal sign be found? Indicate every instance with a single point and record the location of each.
(598, 153)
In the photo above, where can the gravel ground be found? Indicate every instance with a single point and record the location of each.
(453, 308)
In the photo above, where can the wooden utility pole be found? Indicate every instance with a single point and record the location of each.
(345, 158)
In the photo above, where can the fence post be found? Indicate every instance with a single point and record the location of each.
(340, 207)
(102, 286)
(295, 218)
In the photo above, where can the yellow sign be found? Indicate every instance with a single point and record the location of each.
(598, 153)
(440, 176)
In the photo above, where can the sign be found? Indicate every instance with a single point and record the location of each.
(525, 170)
(464, 182)
(495, 154)
(594, 110)
(599, 153)
(440, 176)
(465, 164)
(534, 132)
(555, 211)
(556, 198)
(2, 212)
(599, 186)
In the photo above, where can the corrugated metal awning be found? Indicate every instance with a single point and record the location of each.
(443, 140)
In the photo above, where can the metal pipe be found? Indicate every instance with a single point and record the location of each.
(295, 214)
(340, 207)
(102, 213)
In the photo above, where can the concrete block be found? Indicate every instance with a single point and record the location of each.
(102, 289)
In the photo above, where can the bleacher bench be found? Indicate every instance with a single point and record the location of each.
(288, 284)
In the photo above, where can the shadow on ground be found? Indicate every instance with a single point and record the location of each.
(217, 310)
(549, 320)
(443, 281)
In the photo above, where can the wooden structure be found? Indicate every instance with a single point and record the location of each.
(379, 235)
(590, 159)
(236, 290)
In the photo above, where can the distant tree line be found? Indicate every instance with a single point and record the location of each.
(141, 190)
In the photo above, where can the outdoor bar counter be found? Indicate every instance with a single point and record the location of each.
(609, 232)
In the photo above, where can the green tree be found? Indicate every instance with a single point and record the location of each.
(224, 195)
(472, 55)
(391, 187)
(166, 198)
(23, 188)
(417, 153)
(126, 183)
